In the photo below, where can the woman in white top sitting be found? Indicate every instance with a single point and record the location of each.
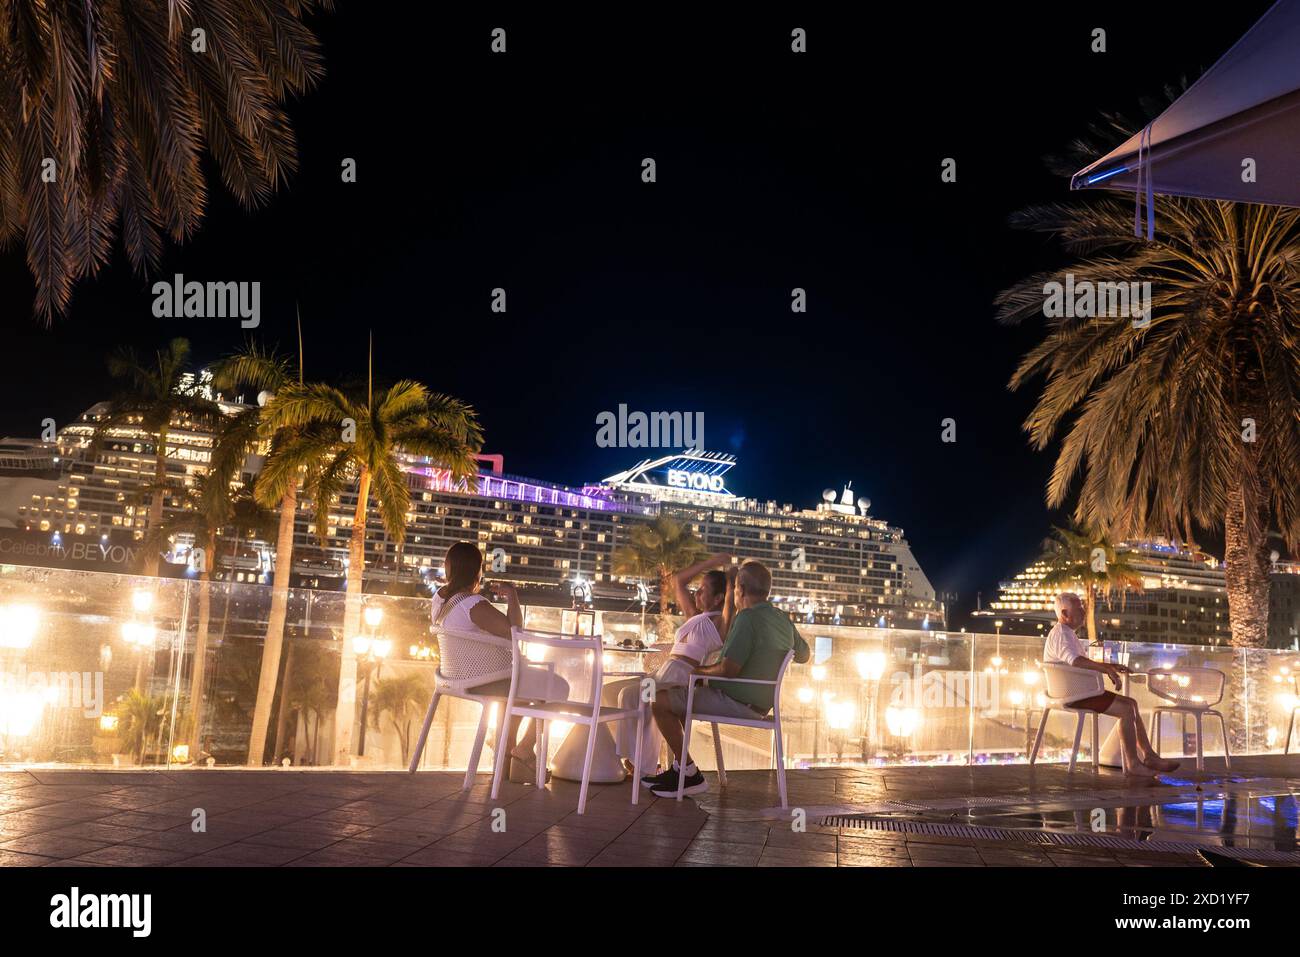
(459, 608)
(697, 640)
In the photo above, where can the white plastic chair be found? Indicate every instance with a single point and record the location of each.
(1193, 691)
(772, 724)
(467, 657)
(589, 714)
(1063, 683)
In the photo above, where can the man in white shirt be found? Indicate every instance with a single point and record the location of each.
(1064, 647)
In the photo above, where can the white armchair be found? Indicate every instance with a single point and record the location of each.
(773, 724)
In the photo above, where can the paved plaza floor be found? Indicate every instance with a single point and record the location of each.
(920, 816)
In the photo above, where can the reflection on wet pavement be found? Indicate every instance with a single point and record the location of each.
(1236, 816)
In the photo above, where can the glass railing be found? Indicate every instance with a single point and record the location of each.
(99, 669)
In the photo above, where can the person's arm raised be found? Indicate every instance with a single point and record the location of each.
(683, 579)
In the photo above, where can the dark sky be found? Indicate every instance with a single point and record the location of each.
(774, 171)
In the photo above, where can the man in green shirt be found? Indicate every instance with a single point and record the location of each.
(759, 639)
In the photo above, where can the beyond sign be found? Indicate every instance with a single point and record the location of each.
(695, 480)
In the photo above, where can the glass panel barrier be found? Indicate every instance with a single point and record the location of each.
(100, 669)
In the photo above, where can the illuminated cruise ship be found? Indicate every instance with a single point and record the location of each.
(833, 563)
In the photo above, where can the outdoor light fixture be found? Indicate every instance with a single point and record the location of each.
(818, 672)
(142, 600)
(805, 695)
(18, 625)
(373, 615)
(139, 634)
(902, 722)
(108, 723)
(871, 665)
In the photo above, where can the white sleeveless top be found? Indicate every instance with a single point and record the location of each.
(459, 660)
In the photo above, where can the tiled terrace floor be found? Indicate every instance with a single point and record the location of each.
(338, 818)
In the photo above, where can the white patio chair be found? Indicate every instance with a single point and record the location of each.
(463, 659)
(588, 714)
(1063, 683)
(1193, 691)
(772, 724)
(1294, 711)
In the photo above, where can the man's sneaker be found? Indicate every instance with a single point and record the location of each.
(694, 784)
(661, 780)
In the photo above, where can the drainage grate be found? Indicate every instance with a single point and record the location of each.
(1051, 838)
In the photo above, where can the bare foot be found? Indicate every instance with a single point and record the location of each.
(1140, 771)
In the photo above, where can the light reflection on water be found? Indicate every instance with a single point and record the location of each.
(1228, 819)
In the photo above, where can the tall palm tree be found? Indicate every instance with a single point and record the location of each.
(340, 437)
(1071, 556)
(107, 109)
(662, 548)
(152, 398)
(1188, 418)
(268, 374)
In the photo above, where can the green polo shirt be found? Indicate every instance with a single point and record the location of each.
(759, 639)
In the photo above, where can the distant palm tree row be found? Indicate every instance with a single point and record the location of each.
(319, 440)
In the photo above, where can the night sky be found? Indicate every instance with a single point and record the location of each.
(774, 171)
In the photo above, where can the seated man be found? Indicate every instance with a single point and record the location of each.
(757, 643)
(1064, 647)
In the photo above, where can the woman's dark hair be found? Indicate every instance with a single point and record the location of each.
(717, 580)
(463, 564)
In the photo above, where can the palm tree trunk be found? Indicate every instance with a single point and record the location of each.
(345, 712)
(201, 646)
(157, 499)
(664, 625)
(273, 644)
(1091, 604)
(1246, 582)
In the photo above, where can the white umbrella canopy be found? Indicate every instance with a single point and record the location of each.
(1233, 135)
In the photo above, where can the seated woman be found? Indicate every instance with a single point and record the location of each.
(459, 607)
(1064, 647)
(698, 639)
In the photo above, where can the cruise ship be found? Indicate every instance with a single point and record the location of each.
(833, 563)
(1182, 600)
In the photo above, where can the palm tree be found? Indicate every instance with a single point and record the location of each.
(662, 548)
(108, 108)
(403, 699)
(342, 436)
(1072, 559)
(152, 398)
(269, 374)
(1188, 418)
(307, 690)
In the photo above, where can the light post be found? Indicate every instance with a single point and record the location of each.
(139, 631)
(818, 676)
(372, 650)
(871, 667)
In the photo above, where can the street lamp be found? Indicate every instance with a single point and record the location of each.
(372, 650)
(871, 667)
